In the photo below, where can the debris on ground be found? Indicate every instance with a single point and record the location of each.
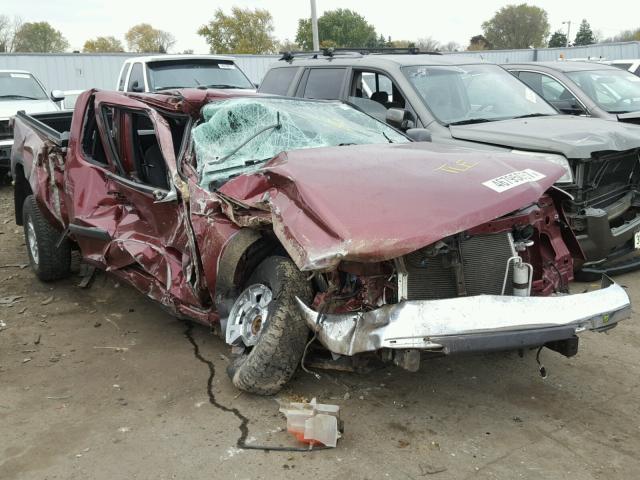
(428, 469)
(313, 423)
(48, 300)
(10, 301)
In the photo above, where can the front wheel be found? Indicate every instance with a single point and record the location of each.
(266, 325)
(48, 260)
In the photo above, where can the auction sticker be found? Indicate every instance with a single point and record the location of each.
(513, 179)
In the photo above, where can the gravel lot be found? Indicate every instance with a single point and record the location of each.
(102, 384)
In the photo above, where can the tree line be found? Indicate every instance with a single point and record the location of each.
(246, 30)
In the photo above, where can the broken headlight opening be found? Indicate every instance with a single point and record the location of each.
(553, 158)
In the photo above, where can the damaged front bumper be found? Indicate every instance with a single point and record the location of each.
(471, 324)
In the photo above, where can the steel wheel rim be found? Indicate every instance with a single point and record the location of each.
(32, 242)
(249, 316)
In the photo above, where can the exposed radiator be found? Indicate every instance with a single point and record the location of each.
(484, 260)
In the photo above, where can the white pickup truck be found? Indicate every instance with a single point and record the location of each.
(20, 90)
(166, 72)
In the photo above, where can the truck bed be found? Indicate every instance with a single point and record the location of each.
(54, 126)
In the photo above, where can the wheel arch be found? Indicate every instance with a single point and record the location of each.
(240, 256)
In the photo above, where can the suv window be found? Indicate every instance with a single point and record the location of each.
(374, 93)
(324, 83)
(545, 86)
(551, 90)
(278, 80)
(136, 79)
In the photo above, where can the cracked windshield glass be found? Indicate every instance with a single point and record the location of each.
(238, 135)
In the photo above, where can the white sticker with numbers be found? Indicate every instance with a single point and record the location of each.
(513, 179)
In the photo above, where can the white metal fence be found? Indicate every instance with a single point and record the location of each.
(79, 71)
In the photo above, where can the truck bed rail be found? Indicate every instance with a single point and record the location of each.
(37, 122)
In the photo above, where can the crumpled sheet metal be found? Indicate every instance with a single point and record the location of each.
(355, 203)
(426, 324)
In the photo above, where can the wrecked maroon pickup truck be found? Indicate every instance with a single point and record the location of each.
(299, 227)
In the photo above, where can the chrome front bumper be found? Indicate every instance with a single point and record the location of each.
(471, 324)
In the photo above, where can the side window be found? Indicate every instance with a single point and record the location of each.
(136, 79)
(278, 80)
(533, 81)
(144, 157)
(92, 146)
(553, 92)
(545, 86)
(324, 83)
(123, 76)
(374, 93)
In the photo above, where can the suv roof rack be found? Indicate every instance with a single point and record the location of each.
(325, 52)
(354, 52)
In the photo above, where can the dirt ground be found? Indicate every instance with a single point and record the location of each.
(102, 384)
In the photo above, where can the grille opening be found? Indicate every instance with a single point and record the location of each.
(482, 262)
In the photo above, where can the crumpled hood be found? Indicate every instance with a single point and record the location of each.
(573, 137)
(378, 202)
(8, 108)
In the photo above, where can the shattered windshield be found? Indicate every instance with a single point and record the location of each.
(20, 86)
(238, 135)
(615, 91)
(193, 73)
(475, 93)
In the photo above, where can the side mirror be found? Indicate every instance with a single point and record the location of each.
(419, 134)
(135, 87)
(56, 96)
(400, 118)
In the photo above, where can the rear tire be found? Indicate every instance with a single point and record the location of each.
(48, 261)
(272, 361)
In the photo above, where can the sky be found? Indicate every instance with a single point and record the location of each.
(457, 21)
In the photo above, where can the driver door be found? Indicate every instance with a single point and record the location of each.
(132, 222)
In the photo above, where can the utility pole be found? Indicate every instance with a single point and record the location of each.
(314, 26)
(568, 23)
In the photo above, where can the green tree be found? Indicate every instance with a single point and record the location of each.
(244, 31)
(143, 38)
(584, 36)
(338, 28)
(103, 44)
(39, 37)
(558, 39)
(517, 26)
(8, 29)
(478, 42)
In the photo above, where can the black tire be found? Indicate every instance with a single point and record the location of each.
(53, 262)
(269, 365)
